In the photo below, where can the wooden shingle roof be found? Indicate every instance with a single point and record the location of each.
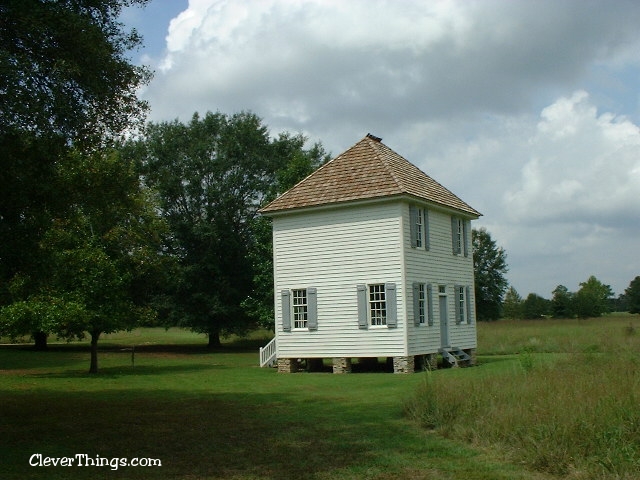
(368, 170)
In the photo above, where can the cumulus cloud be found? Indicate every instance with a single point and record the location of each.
(583, 167)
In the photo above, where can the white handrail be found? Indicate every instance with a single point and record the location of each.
(268, 353)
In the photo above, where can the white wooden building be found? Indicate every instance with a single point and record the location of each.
(372, 258)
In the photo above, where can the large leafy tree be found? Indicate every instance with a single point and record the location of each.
(65, 83)
(100, 259)
(211, 175)
(490, 268)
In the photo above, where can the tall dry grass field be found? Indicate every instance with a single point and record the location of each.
(572, 411)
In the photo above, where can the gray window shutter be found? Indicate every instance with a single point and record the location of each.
(465, 234)
(413, 219)
(363, 321)
(427, 243)
(457, 302)
(286, 310)
(392, 304)
(454, 235)
(312, 308)
(430, 303)
(467, 302)
(416, 304)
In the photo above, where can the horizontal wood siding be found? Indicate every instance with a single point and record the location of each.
(437, 266)
(334, 251)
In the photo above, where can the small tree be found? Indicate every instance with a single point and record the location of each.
(100, 257)
(562, 303)
(632, 295)
(490, 267)
(535, 307)
(512, 305)
(592, 300)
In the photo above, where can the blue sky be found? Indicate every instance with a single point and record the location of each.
(529, 111)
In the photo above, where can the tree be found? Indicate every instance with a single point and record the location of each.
(562, 302)
(490, 267)
(535, 307)
(101, 257)
(65, 71)
(211, 176)
(65, 83)
(592, 300)
(512, 305)
(632, 295)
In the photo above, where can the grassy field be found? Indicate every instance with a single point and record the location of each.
(210, 415)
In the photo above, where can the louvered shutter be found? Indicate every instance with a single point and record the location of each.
(454, 236)
(312, 308)
(413, 220)
(467, 303)
(392, 305)
(286, 310)
(416, 304)
(363, 322)
(430, 303)
(459, 312)
(465, 235)
(427, 240)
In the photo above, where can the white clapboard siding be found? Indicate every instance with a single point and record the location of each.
(334, 251)
(437, 266)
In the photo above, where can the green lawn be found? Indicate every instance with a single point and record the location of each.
(208, 415)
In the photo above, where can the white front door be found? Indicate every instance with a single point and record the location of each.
(444, 321)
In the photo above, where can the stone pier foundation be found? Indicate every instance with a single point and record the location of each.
(341, 365)
(403, 364)
(288, 365)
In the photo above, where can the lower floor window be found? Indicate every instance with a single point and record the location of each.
(377, 304)
(299, 306)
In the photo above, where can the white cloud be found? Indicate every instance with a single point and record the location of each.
(583, 167)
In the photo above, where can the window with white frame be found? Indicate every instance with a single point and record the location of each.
(299, 308)
(377, 304)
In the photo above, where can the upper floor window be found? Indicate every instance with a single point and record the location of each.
(419, 227)
(459, 236)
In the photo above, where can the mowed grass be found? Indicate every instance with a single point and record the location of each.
(572, 411)
(216, 415)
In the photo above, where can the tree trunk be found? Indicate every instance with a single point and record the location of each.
(214, 340)
(95, 335)
(40, 339)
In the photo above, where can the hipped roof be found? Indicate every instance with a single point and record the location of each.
(367, 170)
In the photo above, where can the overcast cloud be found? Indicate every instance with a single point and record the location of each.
(528, 110)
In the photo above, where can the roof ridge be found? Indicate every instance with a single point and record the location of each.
(385, 163)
